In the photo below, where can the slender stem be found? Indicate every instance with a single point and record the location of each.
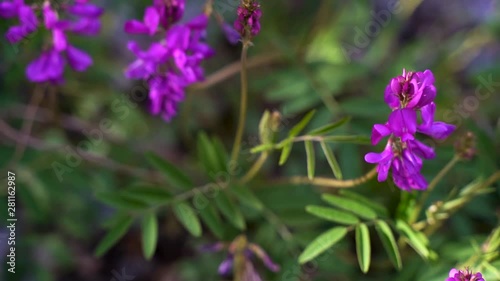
(434, 182)
(255, 168)
(333, 183)
(234, 68)
(30, 115)
(243, 104)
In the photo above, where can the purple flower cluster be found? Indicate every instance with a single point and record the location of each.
(407, 95)
(49, 67)
(464, 275)
(249, 14)
(173, 63)
(240, 246)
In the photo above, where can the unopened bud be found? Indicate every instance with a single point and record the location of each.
(465, 146)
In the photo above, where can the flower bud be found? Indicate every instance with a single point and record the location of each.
(465, 146)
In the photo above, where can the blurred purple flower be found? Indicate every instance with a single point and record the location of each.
(407, 95)
(231, 34)
(49, 66)
(164, 12)
(249, 14)
(28, 21)
(464, 275)
(240, 247)
(171, 65)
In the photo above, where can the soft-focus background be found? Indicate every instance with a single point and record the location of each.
(334, 56)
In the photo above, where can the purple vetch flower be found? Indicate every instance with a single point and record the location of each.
(49, 67)
(410, 90)
(28, 21)
(162, 12)
(464, 275)
(169, 66)
(407, 95)
(240, 249)
(249, 14)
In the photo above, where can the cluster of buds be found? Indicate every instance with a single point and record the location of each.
(248, 21)
(465, 147)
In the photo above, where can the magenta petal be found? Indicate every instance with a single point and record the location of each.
(231, 34)
(85, 10)
(86, 26)
(226, 266)
(15, 34)
(48, 67)
(78, 59)
(421, 149)
(151, 20)
(428, 95)
(135, 27)
(199, 22)
(438, 130)
(379, 131)
(403, 123)
(28, 19)
(59, 39)
(49, 16)
(8, 10)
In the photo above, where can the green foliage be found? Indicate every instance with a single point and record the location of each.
(174, 175)
(322, 243)
(117, 231)
(188, 218)
(363, 247)
(149, 230)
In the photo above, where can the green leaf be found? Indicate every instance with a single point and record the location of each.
(302, 124)
(363, 247)
(330, 214)
(262, 147)
(322, 243)
(330, 127)
(350, 205)
(332, 161)
(377, 207)
(211, 218)
(149, 229)
(285, 153)
(187, 217)
(229, 210)
(247, 197)
(174, 176)
(113, 235)
(148, 194)
(221, 153)
(121, 201)
(385, 234)
(413, 238)
(208, 155)
(310, 159)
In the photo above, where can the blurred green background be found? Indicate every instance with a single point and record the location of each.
(334, 56)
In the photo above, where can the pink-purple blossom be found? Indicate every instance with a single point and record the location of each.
(464, 275)
(173, 63)
(49, 66)
(408, 95)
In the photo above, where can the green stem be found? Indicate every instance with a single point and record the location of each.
(243, 104)
(434, 182)
(255, 168)
(333, 183)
